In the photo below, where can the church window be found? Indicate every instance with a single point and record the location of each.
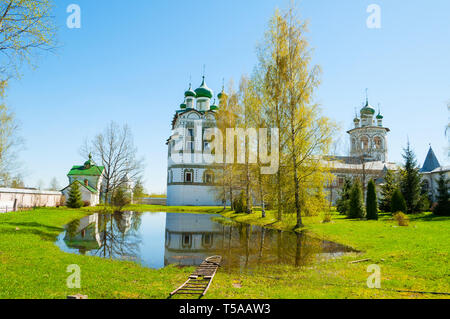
(207, 240)
(365, 143)
(186, 241)
(378, 143)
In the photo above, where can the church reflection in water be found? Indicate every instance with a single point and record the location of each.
(190, 238)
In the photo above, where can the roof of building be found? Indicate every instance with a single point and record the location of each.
(431, 162)
(83, 171)
(89, 188)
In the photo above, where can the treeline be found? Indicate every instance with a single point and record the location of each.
(402, 192)
(278, 95)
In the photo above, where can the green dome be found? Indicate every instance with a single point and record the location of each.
(214, 107)
(88, 164)
(190, 92)
(204, 91)
(368, 109)
(222, 95)
(182, 106)
(379, 116)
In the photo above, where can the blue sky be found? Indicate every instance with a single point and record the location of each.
(131, 61)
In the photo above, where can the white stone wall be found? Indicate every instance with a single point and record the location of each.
(28, 198)
(191, 195)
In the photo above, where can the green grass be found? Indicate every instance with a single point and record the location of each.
(411, 258)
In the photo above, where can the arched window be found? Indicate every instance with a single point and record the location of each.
(353, 144)
(378, 142)
(208, 177)
(365, 143)
(207, 240)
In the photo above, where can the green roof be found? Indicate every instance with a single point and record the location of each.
(82, 171)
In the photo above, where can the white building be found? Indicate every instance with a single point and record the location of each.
(90, 179)
(368, 153)
(191, 182)
(431, 173)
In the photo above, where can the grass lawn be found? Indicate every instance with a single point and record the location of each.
(411, 258)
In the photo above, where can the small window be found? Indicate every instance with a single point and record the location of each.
(186, 241)
(188, 177)
(207, 240)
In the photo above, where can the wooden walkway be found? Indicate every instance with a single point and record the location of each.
(201, 279)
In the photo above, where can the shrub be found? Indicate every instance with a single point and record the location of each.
(371, 202)
(121, 198)
(240, 203)
(356, 209)
(401, 219)
(327, 217)
(75, 200)
(86, 203)
(398, 203)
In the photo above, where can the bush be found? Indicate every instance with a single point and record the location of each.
(86, 203)
(401, 219)
(120, 198)
(398, 203)
(240, 204)
(327, 217)
(356, 209)
(371, 202)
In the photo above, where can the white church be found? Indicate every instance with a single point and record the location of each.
(191, 183)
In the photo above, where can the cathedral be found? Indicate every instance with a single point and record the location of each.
(191, 182)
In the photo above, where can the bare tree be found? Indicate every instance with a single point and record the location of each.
(115, 150)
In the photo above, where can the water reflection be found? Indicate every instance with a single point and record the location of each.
(159, 239)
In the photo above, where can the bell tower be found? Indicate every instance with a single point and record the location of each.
(368, 138)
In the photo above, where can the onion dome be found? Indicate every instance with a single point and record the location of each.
(379, 116)
(368, 109)
(222, 95)
(190, 92)
(204, 90)
(183, 105)
(88, 164)
(214, 106)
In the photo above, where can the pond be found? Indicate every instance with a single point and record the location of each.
(156, 240)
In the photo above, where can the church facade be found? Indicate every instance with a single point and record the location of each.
(190, 182)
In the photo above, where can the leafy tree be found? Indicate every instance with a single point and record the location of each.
(288, 81)
(387, 190)
(356, 207)
(410, 183)
(398, 203)
(138, 190)
(240, 203)
(371, 201)
(443, 198)
(75, 200)
(343, 203)
(26, 28)
(120, 198)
